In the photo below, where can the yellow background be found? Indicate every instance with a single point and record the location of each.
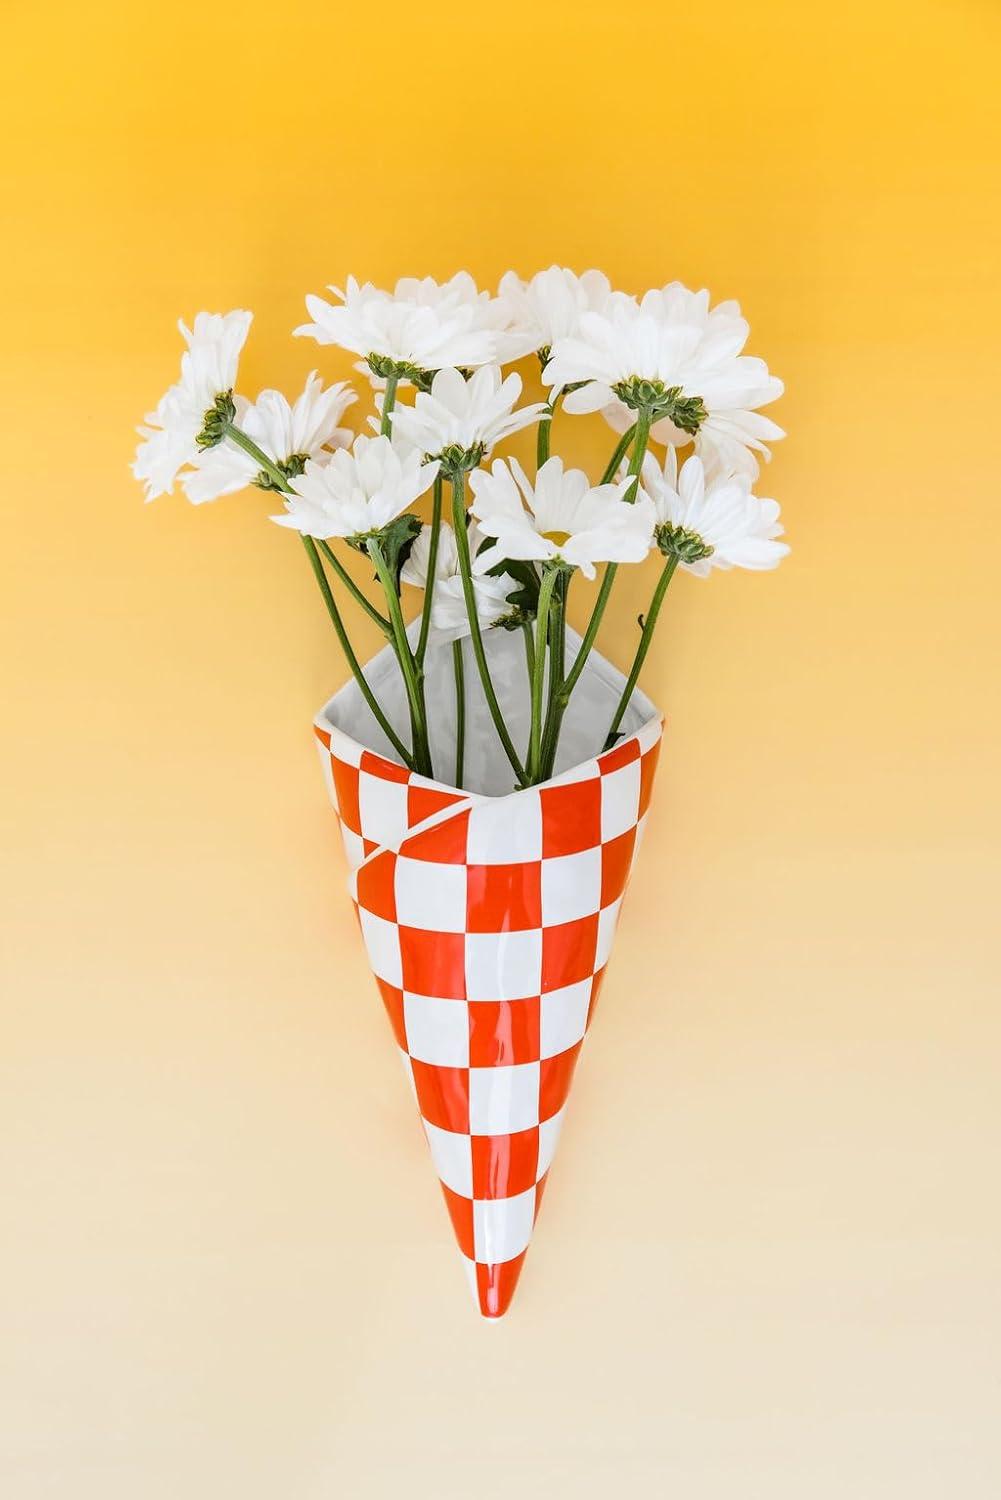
(767, 1264)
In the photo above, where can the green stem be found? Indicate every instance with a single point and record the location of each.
(544, 435)
(549, 578)
(584, 651)
(352, 660)
(462, 547)
(280, 481)
(459, 672)
(529, 649)
(241, 440)
(641, 431)
(354, 590)
(415, 697)
(611, 469)
(649, 625)
(557, 668)
(429, 582)
(388, 402)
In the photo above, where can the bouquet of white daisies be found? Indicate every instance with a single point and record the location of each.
(499, 548)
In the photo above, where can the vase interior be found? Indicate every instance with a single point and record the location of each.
(486, 771)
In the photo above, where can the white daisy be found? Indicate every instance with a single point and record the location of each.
(288, 435)
(549, 306)
(460, 420)
(419, 326)
(449, 617)
(689, 356)
(728, 442)
(208, 373)
(566, 520)
(714, 524)
(356, 491)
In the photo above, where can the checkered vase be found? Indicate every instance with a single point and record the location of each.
(488, 923)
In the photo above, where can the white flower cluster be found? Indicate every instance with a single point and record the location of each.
(601, 350)
(666, 369)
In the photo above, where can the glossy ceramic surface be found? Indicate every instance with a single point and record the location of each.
(488, 923)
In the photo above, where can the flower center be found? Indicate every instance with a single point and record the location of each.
(558, 538)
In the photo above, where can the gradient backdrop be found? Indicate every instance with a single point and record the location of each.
(768, 1261)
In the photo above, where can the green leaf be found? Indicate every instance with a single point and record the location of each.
(396, 541)
(524, 600)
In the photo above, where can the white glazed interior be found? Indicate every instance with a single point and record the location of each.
(486, 771)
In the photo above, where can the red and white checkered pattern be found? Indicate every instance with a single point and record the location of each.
(488, 924)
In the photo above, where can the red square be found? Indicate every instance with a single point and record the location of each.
(386, 770)
(368, 847)
(616, 858)
(445, 844)
(621, 755)
(460, 1211)
(505, 1164)
(376, 878)
(502, 1032)
(346, 792)
(442, 1095)
(323, 737)
(568, 952)
(571, 817)
(504, 898)
(495, 1284)
(434, 963)
(555, 1078)
(422, 801)
(648, 767)
(392, 999)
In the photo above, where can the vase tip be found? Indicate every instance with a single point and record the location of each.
(493, 1286)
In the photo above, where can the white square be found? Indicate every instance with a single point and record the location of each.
(327, 768)
(502, 1227)
(648, 736)
(607, 921)
(563, 1017)
(505, 831)
(452, 1155)
(345, 748)
(620, 800)
(587, 770)
(382, 942)
(503, 1100)
(430, 896)
(571, 886)
(382, 809)
(354, 848)
(549, 1134)
(503, 965)
(437, 1030)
